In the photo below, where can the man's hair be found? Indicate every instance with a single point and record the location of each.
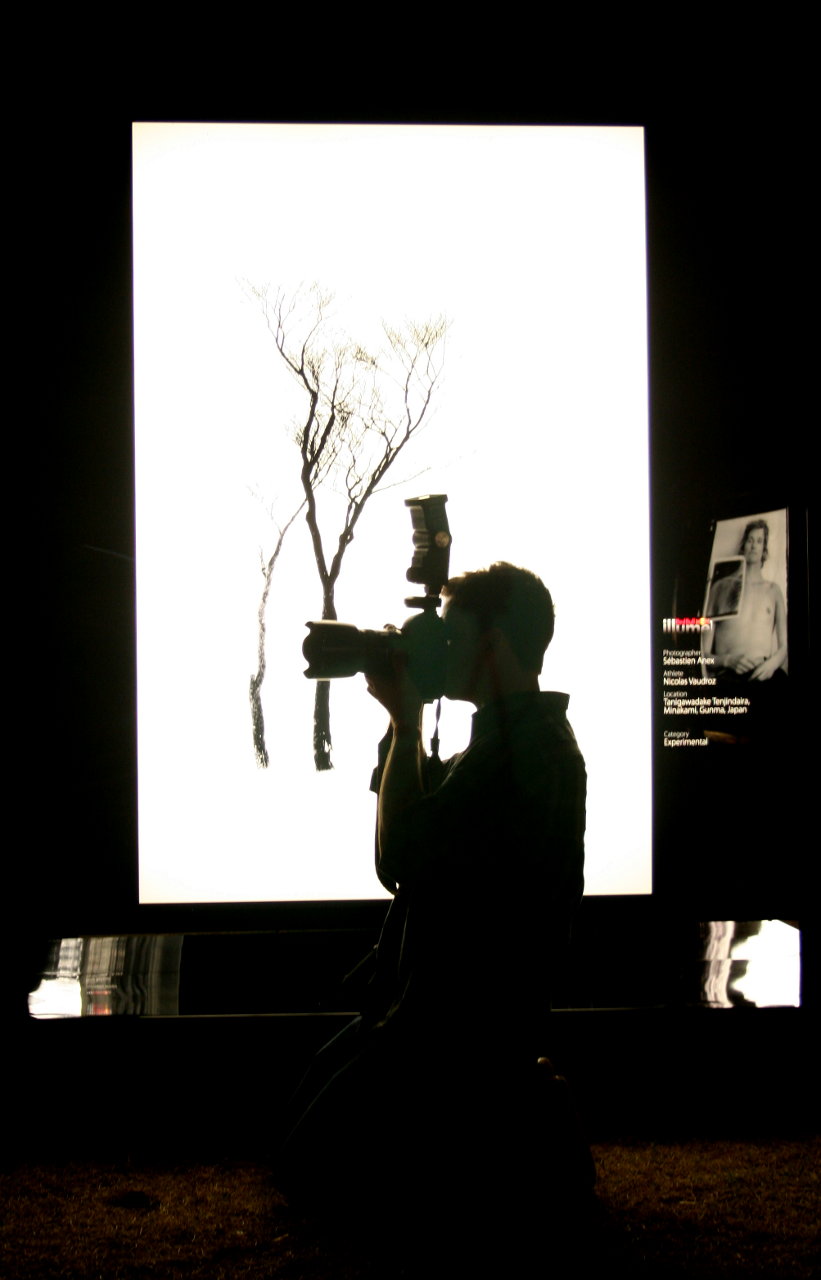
(756, 524)
(512, 599)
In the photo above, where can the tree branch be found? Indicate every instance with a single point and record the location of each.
(363, 408)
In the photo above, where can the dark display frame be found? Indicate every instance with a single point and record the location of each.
(723, 438)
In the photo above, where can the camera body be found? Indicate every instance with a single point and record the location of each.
(336, 649)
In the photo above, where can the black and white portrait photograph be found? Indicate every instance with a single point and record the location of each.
(748, 643)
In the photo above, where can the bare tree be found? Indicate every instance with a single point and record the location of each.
(255, 688)
(361, 409)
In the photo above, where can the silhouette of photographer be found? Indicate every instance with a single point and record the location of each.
(437, 1091)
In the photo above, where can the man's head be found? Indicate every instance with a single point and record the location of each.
(502, 613)
(756, 538)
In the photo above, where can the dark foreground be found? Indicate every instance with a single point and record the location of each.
(698, 1209)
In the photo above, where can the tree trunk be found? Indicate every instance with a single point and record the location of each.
(255, 686)
(258, 720)
(322, 726)
(322, 697)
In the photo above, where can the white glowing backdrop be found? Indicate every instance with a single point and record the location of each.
(532, 242)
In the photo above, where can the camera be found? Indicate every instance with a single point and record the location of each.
(335, 649)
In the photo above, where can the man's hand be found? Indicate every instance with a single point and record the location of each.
(767, 669)
(741, 663)
(396, 692)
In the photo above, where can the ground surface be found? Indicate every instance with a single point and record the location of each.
(700, 1209)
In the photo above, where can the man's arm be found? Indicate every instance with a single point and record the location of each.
(401, 785)
(401, 788)
(768, 668)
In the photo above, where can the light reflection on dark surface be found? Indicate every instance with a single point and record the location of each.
(739, 963)
(750, 962)
(92, 977)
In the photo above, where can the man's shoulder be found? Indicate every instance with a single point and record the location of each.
(529, 730)
(541, 747)
(550, 723)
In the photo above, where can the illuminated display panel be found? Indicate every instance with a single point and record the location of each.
(531, 241)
